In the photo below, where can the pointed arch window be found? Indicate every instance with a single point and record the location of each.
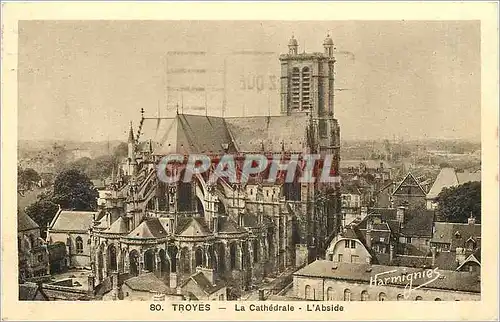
(347, 294)
(79, 245)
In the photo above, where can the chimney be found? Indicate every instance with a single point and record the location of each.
(391, 253)
(208, 272)
(471, 220)
(433, 251)
(400, 215)
(369, 227)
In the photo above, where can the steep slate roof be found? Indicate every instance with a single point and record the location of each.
(409, 186)
(24, 222)
(229, 226)
(447, 177)
(457, 281)
(69, 220)
(118, 227)
(202, 281)
(252, 134)
(464, 177)
(186, 134)
(148, 283)
(445, 232)
(150, 228)
(193, 227)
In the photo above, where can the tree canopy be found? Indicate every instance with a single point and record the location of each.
(27, 178)
(456, 204)
(42, 212)
(74, 190)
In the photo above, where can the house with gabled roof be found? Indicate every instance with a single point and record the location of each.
(33, 257)
(72, 227)
(409, 193)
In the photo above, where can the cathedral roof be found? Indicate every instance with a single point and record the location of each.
(268, 133)
(208, 134)
(229, 226)
(150, 228)
(192, 227)
(118, 227)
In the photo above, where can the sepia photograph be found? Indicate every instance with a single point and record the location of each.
(263, 165)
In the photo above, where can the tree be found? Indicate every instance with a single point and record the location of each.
(74, 190)
(456, 204)
(101, 167)
(27, 178)
(42, 212)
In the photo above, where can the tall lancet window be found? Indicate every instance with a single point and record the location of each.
(295, 88)
(306, 88)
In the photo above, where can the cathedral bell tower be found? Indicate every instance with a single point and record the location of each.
(307, 86)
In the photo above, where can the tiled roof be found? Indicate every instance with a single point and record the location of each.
(446, 260)
(452, 280)
(150, 228)
(445, 232)
(205, 285)
(417, 222)
(24, 222)
(148, 283)
(120, 226)
(69, 220)
(412, 261)
(268, 133)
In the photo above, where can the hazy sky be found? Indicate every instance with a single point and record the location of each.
(86, 80)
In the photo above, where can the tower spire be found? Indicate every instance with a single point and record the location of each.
(131, 134)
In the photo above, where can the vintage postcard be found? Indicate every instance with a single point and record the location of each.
(249, 161)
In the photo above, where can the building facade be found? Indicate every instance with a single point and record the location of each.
(32, 251)
(240, 232)
(329, 281)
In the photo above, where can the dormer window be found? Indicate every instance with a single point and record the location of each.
(457, 235)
